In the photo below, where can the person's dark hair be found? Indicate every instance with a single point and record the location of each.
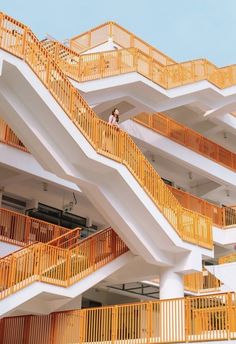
(116, 116)
(113, 111)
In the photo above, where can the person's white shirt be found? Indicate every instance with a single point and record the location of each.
(112, 121)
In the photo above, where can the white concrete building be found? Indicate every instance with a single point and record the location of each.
(138, 222)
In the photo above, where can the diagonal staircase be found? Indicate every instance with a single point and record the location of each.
(50, 264)
(18, 40)
(56, 265)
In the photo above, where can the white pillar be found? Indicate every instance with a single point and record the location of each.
(171, 284)
(172, 315)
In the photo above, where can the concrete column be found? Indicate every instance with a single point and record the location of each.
(171, 284)
(172, 314)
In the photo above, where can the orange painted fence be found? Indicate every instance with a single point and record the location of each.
(229, 258)
(120, 36)
(187, 137)
(68, 240)
(191, 319)
(221, 216)
(110, 63)
(201, 282)
(9, 137)
(22, 230)
(58, 266)
(19, 40)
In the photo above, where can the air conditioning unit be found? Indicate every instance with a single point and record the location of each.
(13, 202)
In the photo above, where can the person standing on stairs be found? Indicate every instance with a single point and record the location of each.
(114, 118)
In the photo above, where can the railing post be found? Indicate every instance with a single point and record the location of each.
(113, 244)
(223, 217)
(68, 267)
(52, 328)
(24, 42)
(2, 330)
(114, 323)
(82, 325)
(48, 74)
(13, 273)
(187, 315)
(230, 316)
(72, 104)
(149, 322)
(1, 24)
(150, 68)
(26, 329)
(111, 30)
(180, 222)
(92, 253)
(27, 229)
(102, 65)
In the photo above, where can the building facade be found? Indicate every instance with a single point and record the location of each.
(114, 234)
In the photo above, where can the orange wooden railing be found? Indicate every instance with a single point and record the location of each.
(120, 36)
(189, 201)
(201, 282)
(229, 258)
(187, 137)
(68, 240)
(22, 230)
(58, 266)
(9, 137)
(190, 319)
(106, 140)
(221, 216)
(109, 63)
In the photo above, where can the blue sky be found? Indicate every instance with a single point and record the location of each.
(183, 29)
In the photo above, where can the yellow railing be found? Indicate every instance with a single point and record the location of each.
(68, 240)
(201, 282)
(106, 139)
(187, 137)
(22, 230)
(189, 201)
(120, 36)
(110, 63)
(9, 137)
(194, 319)
(58, 266)
(221, 216)
(229, 258)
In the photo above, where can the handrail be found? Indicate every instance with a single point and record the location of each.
(67, 240)
(189, 201)
(58, 266)
(19, 40)
(221, 216)
(99, 65)
(188, 137)
(19, 229)
(120, 36)
(183, 320)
